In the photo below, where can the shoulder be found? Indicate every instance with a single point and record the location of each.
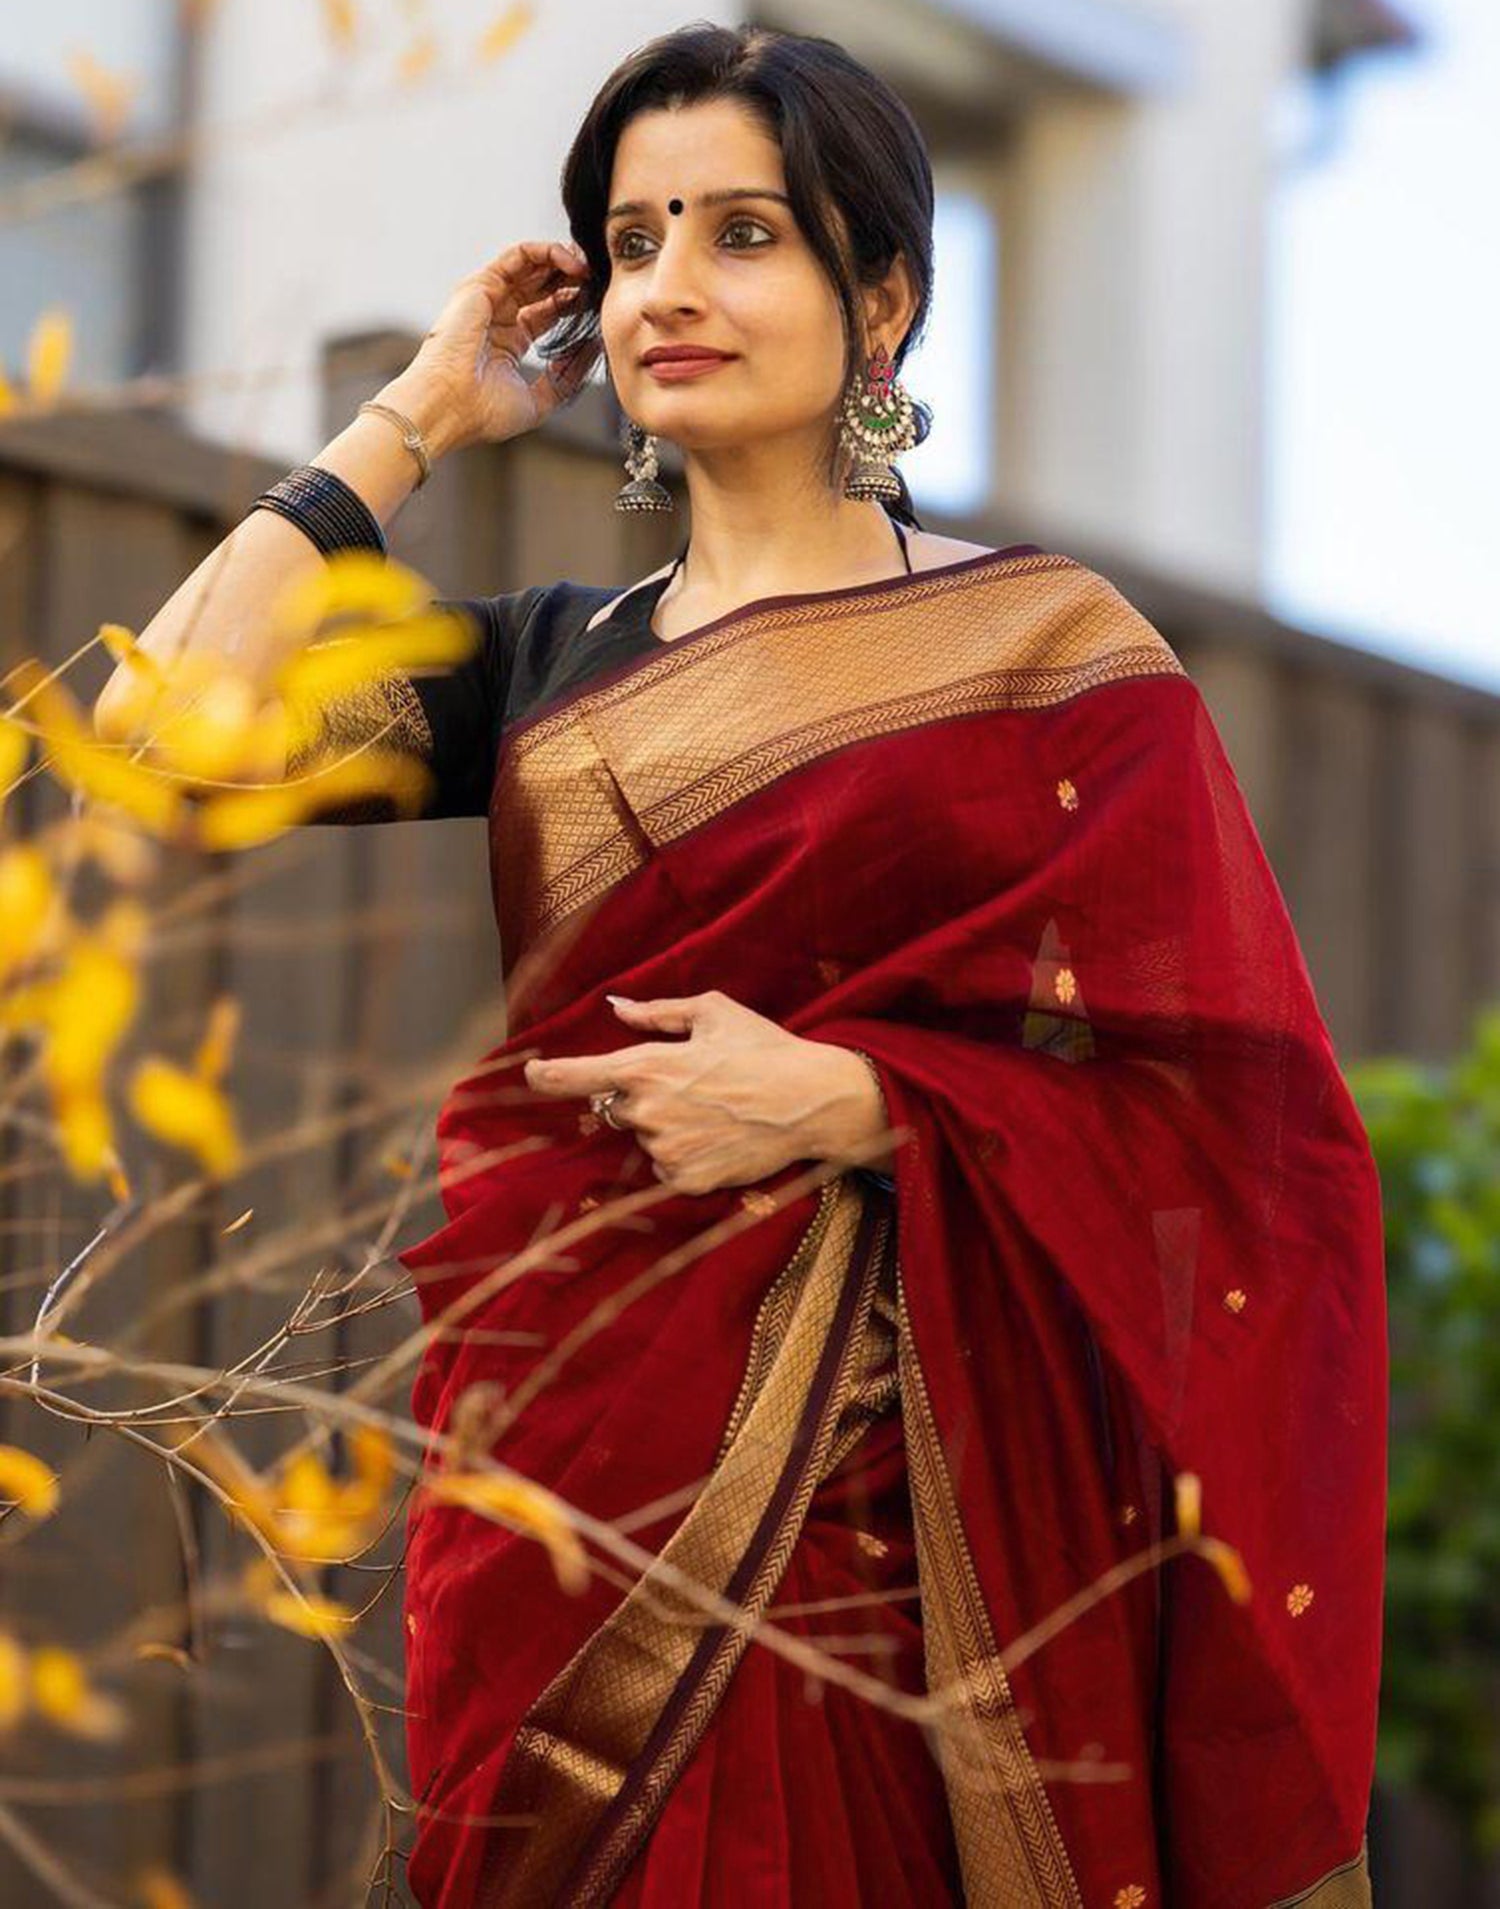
(598, 602)
(929, 551)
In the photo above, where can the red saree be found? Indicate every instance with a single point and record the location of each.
(978, 824)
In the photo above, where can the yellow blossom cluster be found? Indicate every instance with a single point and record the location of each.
(48, 1682)
(202, 734)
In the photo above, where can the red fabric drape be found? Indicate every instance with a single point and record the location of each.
(1139, 1233)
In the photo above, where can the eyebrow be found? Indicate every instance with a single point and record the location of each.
(627, 206)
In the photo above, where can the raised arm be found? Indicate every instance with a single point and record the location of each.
(464, 386)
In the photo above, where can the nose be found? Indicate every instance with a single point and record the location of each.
(672, 281)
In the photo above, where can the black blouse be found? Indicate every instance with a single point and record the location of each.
(534, 646)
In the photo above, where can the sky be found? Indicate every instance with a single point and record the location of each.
(1383, 489)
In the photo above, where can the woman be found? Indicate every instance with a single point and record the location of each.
(919, 1093)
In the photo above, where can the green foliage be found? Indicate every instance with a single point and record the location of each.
(1435, 1133)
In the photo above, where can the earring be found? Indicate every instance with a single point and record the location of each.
(643, 492)
(876, 425)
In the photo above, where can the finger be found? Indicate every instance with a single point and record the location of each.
(565, 377)
(588, 1073)
(676, 1015)
(512, 282)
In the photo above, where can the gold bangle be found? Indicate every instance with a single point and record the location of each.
(411, 437)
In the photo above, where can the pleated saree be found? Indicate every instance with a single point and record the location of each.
(977, 824)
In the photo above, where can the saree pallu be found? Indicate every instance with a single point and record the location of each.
(978, 824)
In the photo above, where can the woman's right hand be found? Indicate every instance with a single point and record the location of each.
(471, 356)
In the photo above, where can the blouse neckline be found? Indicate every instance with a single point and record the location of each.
(639, 605)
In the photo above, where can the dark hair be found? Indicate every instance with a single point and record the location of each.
(847, 142)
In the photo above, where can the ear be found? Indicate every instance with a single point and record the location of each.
(891, 305)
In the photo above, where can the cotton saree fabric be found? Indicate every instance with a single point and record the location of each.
(978, 824)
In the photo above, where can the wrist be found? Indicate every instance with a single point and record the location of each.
(851, 1114)
(430, 408)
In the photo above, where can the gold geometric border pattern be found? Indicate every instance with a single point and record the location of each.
(687, 735)
(1010, 1848)
(1347, 1887)
(599, 1750)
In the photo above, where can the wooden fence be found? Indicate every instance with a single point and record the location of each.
(366, 962)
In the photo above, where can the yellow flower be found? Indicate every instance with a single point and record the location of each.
(1229, 1565)
(186, 1111)
(109, 96)
(1189, 1491)
(513, 1501)
(127, 857)
(49, 352)
(363, 654)
(15, 744)
(26, 1481)
(503, 34)
(61, 1692)
(374, 1459)
(308, 1614)
(87, 1135)
(81, 1016)
(8, 400)
(350, 583)
(217, 1046)
(246, 817)
(418, 57)
(90, 1008)
(216, 735)
(13, 1681)
(75, 758)
(158, 1888)
(342, 23)
(27, 900)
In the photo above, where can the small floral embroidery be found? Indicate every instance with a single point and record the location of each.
(761, 1203)
(1129, 1514)
(589, 1122)
(1298, 1599)
(871, 1545)
(1067, 794)
(1066, 986)
(1234, 1301)
(1130, 1897)
(588, 1203)
(831, 971)
(411, 1623)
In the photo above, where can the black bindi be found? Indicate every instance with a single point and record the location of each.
(674, 205)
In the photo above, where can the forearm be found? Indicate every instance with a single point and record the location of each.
(223, 605)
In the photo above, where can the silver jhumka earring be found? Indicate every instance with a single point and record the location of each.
(643, 492)
(876, 425)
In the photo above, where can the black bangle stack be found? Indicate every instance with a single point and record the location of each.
(329, 512)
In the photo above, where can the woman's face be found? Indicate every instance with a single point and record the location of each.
(735, 275)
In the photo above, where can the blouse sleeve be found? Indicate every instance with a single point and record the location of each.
(448, 719)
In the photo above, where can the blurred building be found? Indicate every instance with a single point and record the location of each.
(1096, 354)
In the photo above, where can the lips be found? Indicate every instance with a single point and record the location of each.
(683, 355)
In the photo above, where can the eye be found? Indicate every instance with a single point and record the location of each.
(740, 223)
(752, 225)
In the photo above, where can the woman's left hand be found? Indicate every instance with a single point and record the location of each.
(735, 1102)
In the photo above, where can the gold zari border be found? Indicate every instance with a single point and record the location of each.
(639, 762)
(1347, 1887)
(597, 1723)
(1009, 1845)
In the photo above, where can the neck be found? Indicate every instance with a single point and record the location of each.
(761, 526)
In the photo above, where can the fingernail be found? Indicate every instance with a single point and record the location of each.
(613, 999)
